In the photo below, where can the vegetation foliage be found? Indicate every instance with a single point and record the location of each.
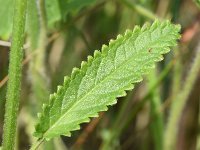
(105, 77)
(47, 38)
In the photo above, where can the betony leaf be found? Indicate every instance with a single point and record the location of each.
(104, 77)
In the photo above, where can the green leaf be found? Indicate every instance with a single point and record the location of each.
(57, 10)
(6, 15)
(105, 77)
(53, 12)
(33, 24)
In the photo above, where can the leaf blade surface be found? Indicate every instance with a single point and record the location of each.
(105, 77)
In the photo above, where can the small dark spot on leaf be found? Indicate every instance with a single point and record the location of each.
(150, 50)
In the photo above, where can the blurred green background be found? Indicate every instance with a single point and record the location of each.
(69, 31)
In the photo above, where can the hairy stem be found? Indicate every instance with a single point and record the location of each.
(179, 103)
(15, 68)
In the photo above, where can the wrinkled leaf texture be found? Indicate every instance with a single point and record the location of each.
(105, 77)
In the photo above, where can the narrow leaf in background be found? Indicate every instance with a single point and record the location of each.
(6, 15)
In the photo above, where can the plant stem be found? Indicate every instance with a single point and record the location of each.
(177, 73)
(39, 62)
(157, 125)
(141, 10)
(15, 68)
(37, 70)
(179, 103)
